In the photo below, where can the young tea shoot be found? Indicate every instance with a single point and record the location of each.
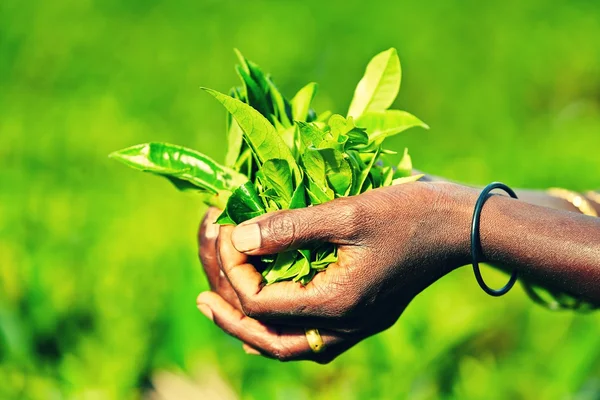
(283, 155)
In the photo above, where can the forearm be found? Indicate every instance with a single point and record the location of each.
(543, 198)
(537, 197)
(555, 248)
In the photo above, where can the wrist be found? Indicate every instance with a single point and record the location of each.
(453, 211)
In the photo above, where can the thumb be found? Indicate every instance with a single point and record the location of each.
(335, 222)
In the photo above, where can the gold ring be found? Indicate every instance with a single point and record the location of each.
(314, 339)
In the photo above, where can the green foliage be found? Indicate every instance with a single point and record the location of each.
(98, 271)
(379, 87)
(289, 159)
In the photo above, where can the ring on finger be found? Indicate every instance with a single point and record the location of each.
(314, 339)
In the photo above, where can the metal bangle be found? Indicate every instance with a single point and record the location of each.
(476, 240)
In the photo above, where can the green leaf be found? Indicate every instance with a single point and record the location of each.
(289, 136)
(379, 86)
(260, 135)
(225, 219)
(345, 134)
(316, 194)
(278, 104)
(358, 185)
(244, 204)
(256, 78)
(404, 167)
(325, 255)
(277, 176)
(298, 198)
(283, 268)
(340, 125)
(301, 101)
(357, 138)
(235, 135)
(303, 266)
(311, 136)
(242, 60)
(256, 97)
(387, 176)
(337, 171)
(324, 263)
(245, 163)
(407, 179)
(383, 124)
(324, 116)
(314, 168)
(184, 167)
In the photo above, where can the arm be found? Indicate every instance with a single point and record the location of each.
(537, 197)
(555, 248)
(392, 244)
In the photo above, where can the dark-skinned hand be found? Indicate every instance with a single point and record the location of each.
(392, 244)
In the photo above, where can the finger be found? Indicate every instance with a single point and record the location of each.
(324, 300)
(250, 350)
(207, 246)
(207, 251)
(335, 222)
(285, 344)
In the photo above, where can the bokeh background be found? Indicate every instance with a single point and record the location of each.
(98, 264)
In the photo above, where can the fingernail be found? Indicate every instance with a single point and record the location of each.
(250, 350)
(204, 309)
(246, 237)
(212, 230)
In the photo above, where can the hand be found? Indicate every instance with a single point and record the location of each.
(392, 244)
(209, 257)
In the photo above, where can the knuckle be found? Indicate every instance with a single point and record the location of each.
(352, 213)
(283, 229)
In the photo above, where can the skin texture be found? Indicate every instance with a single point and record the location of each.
(392, 244)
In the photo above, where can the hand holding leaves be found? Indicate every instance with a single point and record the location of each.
(281, 156)
(377, 271)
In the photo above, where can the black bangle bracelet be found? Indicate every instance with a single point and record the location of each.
(476, 240)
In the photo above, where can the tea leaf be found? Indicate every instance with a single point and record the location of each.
(283, 268)
(311, 136)
(379, 86)
(303, 265)
(279, 104)
(337, 171)
(383, 124)
(244, 204)
(357, 185)
(184, 167)
(260, 135)
(277, 176)
(404, 167)
(314, 167)
(235, 135)
(301, 101)
(298, 198)
(407, 179)
(255, 94)
(288, 157)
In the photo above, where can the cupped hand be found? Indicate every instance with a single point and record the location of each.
(392, 243)
(209, 257)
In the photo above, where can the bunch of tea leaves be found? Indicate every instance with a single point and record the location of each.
(283, 155)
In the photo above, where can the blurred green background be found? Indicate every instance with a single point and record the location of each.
(98, 265)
